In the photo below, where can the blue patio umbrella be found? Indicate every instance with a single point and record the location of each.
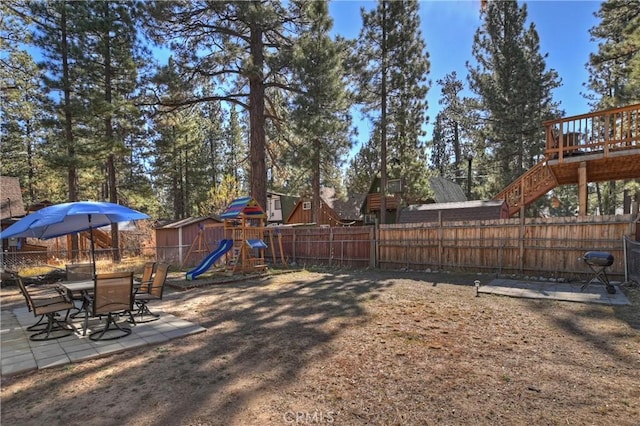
(69, 218)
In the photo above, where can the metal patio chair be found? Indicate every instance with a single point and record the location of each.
(154, 292)
(112, 297)
(50, 304)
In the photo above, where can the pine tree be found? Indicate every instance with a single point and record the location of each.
(237, 152)
(321, 109)
(441, 146)
(614, 76)
(237, 46)
(58, 43)
(56, 37)
(363, 166)
(392, 69)
(614, 70)
(513, 89)
(109, 64)
(21, 132)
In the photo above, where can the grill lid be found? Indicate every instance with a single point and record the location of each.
(598, 258)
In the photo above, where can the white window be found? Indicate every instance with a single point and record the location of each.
(394, 186)
(306, 205)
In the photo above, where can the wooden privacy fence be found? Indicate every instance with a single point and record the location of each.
(335, 246)
(549, 247)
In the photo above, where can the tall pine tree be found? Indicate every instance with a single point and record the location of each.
(321, 109)
(614, 70)
(237, 46)
(513, 89)
(392, 68)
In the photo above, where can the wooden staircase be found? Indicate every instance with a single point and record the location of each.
(101, 239)
(594, 147)
(533, 184)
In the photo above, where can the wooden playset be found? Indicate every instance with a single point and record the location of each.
(244, 223)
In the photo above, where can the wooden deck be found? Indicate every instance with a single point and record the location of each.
(374, 202)
(594, 147)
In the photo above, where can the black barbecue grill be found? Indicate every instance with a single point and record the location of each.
(598, 261)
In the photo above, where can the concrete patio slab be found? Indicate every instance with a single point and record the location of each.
(19, 354)
(569, 292)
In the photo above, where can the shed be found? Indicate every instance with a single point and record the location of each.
(457, 211)
(173, 239)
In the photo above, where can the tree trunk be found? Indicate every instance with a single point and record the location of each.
(315, 183)
(68, 128)
(383, 121)
(256, 119)
(108, 126)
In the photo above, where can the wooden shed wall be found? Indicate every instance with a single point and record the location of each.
(168, 240)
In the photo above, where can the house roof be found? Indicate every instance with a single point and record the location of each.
(328, 212)
(455, 205)
(349, 209)
(243, 206)
(346, 210)
(456, 211)
(11, 204)
(446, 191)
(185, 222)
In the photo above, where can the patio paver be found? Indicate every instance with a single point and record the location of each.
(19, 354)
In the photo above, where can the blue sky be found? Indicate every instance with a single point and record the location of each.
(448, 28)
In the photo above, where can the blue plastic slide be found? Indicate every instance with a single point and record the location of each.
(225, 246)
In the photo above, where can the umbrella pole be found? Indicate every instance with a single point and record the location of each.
(93, 252)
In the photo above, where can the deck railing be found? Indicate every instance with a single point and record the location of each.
(532, 184)
(597, 132)
(374, 201)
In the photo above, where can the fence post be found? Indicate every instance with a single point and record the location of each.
(521, 242)
(330, 246)
(440, 235)
(293, 246)
(373, 249)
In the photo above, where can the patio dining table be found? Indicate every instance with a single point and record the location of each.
(80, 290)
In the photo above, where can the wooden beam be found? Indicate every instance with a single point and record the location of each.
(582, 189)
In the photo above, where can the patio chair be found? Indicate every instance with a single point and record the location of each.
(37, 292)
(142, 285)
(47, 303)
(112, 297)
(79, 272)
(154, 292)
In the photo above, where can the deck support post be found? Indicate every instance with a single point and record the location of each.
(582, 189)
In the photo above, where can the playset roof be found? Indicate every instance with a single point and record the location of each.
(243, 207)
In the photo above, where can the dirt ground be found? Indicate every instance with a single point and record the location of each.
(355, 348)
